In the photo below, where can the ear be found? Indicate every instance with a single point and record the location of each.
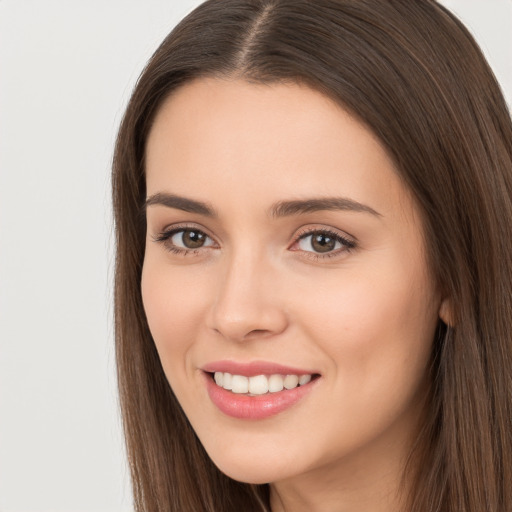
(446, 312)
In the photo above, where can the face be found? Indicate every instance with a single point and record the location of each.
(282, 246)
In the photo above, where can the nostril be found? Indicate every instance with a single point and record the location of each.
(256, 332)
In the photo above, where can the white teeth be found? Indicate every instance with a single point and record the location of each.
(226, 380)
(259, 384)
(239, 384)
(219, 378)
(304, 379)
(275, 383)
(291, 381)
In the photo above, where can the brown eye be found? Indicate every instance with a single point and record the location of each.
(190, 239)
(183, 240)
(322, 243)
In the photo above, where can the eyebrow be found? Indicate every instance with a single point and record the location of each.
(298, 207)
(180, 203)
(279, 209)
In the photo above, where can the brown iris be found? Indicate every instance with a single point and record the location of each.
(193, 239)
(322, 242)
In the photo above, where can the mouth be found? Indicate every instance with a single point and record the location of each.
(248, 395)
(258, 385)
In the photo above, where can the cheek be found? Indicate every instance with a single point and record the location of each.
(377, 334)
(174, 305)
(371, 325)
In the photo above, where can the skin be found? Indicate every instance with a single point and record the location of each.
(362, 317)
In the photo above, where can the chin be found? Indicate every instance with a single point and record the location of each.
(248, 475)
(250, 471)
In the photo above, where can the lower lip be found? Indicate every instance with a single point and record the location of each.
(255, 407)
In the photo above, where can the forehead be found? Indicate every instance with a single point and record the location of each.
(263, 142)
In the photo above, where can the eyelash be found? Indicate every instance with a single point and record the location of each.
(165, 236)
(347, 244)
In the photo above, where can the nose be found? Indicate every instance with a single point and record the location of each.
(246, 304)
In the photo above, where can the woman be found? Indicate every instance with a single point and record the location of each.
(313, 281)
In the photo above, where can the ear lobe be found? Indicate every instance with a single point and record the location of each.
(446, 312)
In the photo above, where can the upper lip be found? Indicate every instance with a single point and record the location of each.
(254, 368)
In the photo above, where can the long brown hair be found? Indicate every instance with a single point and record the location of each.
(412, 73)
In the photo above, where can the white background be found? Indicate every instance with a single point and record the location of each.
(66, 72)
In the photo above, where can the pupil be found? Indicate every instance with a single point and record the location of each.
(193, 239)
(323, 243)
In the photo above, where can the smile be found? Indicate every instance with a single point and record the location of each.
(259, 384)
(256, 392)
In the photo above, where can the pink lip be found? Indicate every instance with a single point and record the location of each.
(254, 407)
(254, 368)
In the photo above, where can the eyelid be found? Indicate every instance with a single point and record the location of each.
(323, 228)
(348, 242)
(165, 235)
(175, 228)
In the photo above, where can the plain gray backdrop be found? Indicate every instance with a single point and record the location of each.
(66, 71)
